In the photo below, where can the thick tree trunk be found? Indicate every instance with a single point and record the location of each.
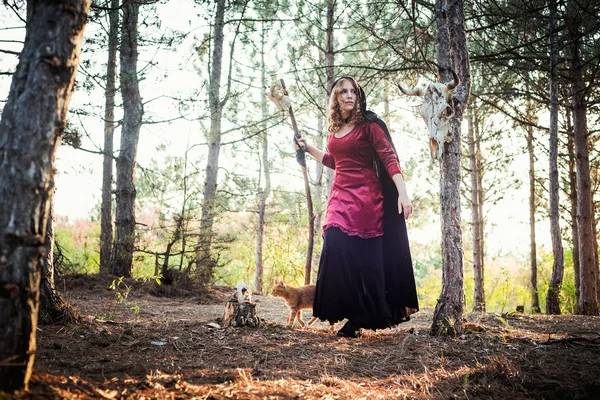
(204, 261)
(106, 231)
(266, 172)
(122, 253)
(476, 218)
(535, 302)
(558, 266)
(588, 300)
(573, 200)
(32, 122)
(451, 48)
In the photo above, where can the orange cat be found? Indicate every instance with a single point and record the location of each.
(297, 299)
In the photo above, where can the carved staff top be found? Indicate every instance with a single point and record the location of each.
(278, 94)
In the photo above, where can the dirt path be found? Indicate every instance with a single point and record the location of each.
(165, 347)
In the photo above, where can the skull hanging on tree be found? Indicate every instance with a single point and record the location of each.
(436, 111)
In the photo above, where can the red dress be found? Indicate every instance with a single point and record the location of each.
(355, 203)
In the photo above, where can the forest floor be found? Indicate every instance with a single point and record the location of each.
(160, 345)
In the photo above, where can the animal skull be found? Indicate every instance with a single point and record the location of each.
(436, 111)
(276, 94)
(242, 293)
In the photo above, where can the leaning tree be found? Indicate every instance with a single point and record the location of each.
(32, 122)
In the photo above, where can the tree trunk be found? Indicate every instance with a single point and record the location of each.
(451, 48)
(319, 197)
(106, 231)
(386, 103)
(122, 253)
(535, 302)
(476, 218)
(204, 260)
(479, 166)
(558, 266)
(588, 300)
(32, 122)
(329, 70)
(573, 199)
(595, 246)
(53, 309)
(266, 172)
(311, 227)
(238, 315)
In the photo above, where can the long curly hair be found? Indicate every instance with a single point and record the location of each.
(335, 112)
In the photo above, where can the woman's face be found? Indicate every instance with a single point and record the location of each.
(347, 98)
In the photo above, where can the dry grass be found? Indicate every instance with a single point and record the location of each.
(110, 354)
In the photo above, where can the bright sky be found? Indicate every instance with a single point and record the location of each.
(79, 173)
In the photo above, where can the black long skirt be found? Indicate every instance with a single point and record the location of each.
(352, 283)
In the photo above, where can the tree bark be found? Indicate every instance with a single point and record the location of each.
(53, 309)
(106, 230)
(238, 315)
(476, 217)
(266, 172)
(32, 122)
(573, 200)
(595, 245)
(311, 227)
(451, 48)
(558, 266)
(329, 70)
(320, 197)
(588, 300)
(535, 302)
(122, 253)
(479, 165)
(204, 260)
(386, 103)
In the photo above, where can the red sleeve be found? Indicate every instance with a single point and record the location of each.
(384, 149)
(328, 161)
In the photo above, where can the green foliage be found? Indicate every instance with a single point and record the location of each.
(426, 258)
(568, 294)
(284, 254)
(506, 285)
(121, 290)
(143, 266)
(429, 288)
(284, 247)
(79, 244)
(568, 298)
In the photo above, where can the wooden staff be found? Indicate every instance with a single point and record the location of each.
(301, 158)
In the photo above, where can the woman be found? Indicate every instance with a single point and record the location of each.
(365, 272)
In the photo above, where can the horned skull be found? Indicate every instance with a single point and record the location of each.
(436, 111)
